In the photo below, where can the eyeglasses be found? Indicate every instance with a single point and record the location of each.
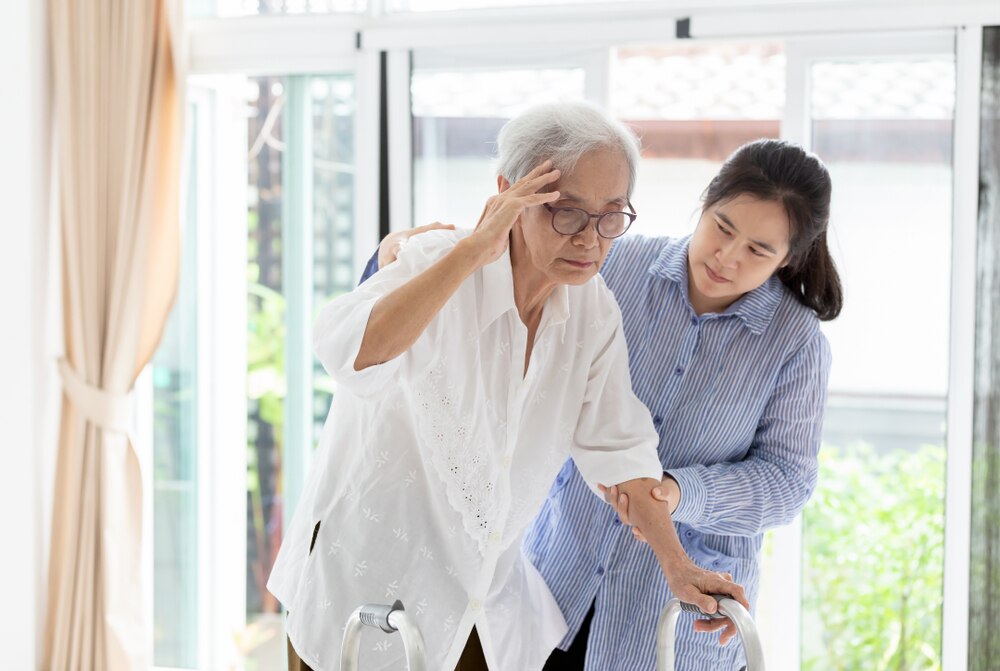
(573, 221)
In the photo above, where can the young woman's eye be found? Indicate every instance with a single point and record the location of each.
(724, 230)
(756, 252)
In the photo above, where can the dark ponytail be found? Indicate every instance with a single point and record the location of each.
(783, 172)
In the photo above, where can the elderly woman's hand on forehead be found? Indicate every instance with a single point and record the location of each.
(492, 233)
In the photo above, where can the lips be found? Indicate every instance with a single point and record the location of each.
(714, 276)
(579, 264)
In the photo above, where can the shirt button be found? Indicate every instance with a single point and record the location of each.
(679, 370)
(506, 461)
(560, 480)
(617, 522)
(657, 420)
(476, 604)
(689, 533)
(600, 570)
(694, 321)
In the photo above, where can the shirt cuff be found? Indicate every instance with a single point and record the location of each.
(694, 495)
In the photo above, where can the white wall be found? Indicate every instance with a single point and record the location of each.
(24, 117)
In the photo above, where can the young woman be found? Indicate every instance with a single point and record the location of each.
(726, 352)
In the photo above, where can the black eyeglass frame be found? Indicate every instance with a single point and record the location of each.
(631, 215)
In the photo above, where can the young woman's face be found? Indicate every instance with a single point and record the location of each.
(737, 246)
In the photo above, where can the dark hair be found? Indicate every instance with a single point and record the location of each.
(784, 172)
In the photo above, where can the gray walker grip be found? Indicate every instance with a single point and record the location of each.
(389, 619)
(666, 631)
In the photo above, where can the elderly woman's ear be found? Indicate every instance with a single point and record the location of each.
(502, 184)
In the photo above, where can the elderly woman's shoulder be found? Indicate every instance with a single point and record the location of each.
(432, 244)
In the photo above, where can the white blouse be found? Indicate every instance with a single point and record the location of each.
(431, 465)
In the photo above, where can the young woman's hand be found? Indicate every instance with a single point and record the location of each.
(668, 492)
(389, 248)
(489, 240)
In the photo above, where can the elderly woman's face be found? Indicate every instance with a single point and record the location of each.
(598, 183)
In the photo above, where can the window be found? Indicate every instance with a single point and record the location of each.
(692, 106)
(295, 201)
(457, 114)
(873, 536)
(282, 183)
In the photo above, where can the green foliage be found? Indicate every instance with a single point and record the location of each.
(873, 560)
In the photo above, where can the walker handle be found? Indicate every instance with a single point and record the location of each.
(377, 615)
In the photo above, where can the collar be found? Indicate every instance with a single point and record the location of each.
(755, 309)
(497, 296)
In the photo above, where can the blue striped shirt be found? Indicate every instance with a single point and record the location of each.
(738, 401)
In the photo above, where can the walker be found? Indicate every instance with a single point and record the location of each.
(394, 618)
(666, 630)
(389, 619)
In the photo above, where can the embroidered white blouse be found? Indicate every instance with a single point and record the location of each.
(431, 465)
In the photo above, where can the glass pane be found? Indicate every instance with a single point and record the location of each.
(873, 535)
(175, 473)
(333, 104)
(456, 118)
(692, 106)
(301, 201)
(262, 7)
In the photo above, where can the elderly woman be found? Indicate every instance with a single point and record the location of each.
(467, 372)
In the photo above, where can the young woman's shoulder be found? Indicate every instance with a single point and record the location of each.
(794, 323)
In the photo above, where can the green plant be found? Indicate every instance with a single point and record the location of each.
(874, 553)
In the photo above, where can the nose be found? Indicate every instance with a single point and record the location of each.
(726, 254)
(587, 238)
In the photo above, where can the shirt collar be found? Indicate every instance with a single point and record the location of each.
(497, 296)
(755, 309)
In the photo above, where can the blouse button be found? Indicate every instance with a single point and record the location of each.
(494, 536)
(506, 462)
(476, 604)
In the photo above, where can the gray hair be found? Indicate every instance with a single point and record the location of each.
(563, 132)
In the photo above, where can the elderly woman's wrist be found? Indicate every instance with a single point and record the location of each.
(473, 252)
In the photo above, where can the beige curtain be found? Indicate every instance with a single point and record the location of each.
(118, 126)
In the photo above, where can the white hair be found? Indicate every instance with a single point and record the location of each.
(562, 132)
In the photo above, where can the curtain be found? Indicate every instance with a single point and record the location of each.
(984, 592)
(117, 106)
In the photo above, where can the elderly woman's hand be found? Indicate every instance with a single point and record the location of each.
(492, 233)
(692, 584)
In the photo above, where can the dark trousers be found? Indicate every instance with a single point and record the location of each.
(472, 658)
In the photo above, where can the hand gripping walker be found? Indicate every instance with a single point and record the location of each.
(666, 630)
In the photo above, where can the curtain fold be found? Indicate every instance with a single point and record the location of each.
(117, 102)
